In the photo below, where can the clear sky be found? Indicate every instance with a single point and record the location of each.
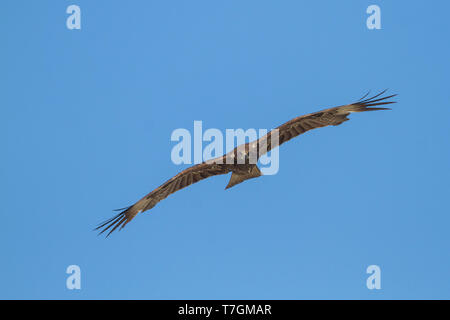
(85, 125)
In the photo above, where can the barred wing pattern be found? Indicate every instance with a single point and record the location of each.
(181, 180)
(328, 117)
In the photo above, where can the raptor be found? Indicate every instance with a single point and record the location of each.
(239, 162)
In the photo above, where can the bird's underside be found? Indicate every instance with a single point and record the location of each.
(238, 161)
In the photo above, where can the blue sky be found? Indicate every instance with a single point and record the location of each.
(86, 119)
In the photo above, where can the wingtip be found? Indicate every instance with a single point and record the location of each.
(376, 100)
(119, 220)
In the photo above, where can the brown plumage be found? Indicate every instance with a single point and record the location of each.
(245, 169)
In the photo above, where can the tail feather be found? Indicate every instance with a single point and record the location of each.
(237, 178)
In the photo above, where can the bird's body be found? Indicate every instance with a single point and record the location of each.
(241, 161)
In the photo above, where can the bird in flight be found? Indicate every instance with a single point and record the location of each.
(238, 161)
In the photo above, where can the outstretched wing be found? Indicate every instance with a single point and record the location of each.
(183, 179)
(332, 116)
